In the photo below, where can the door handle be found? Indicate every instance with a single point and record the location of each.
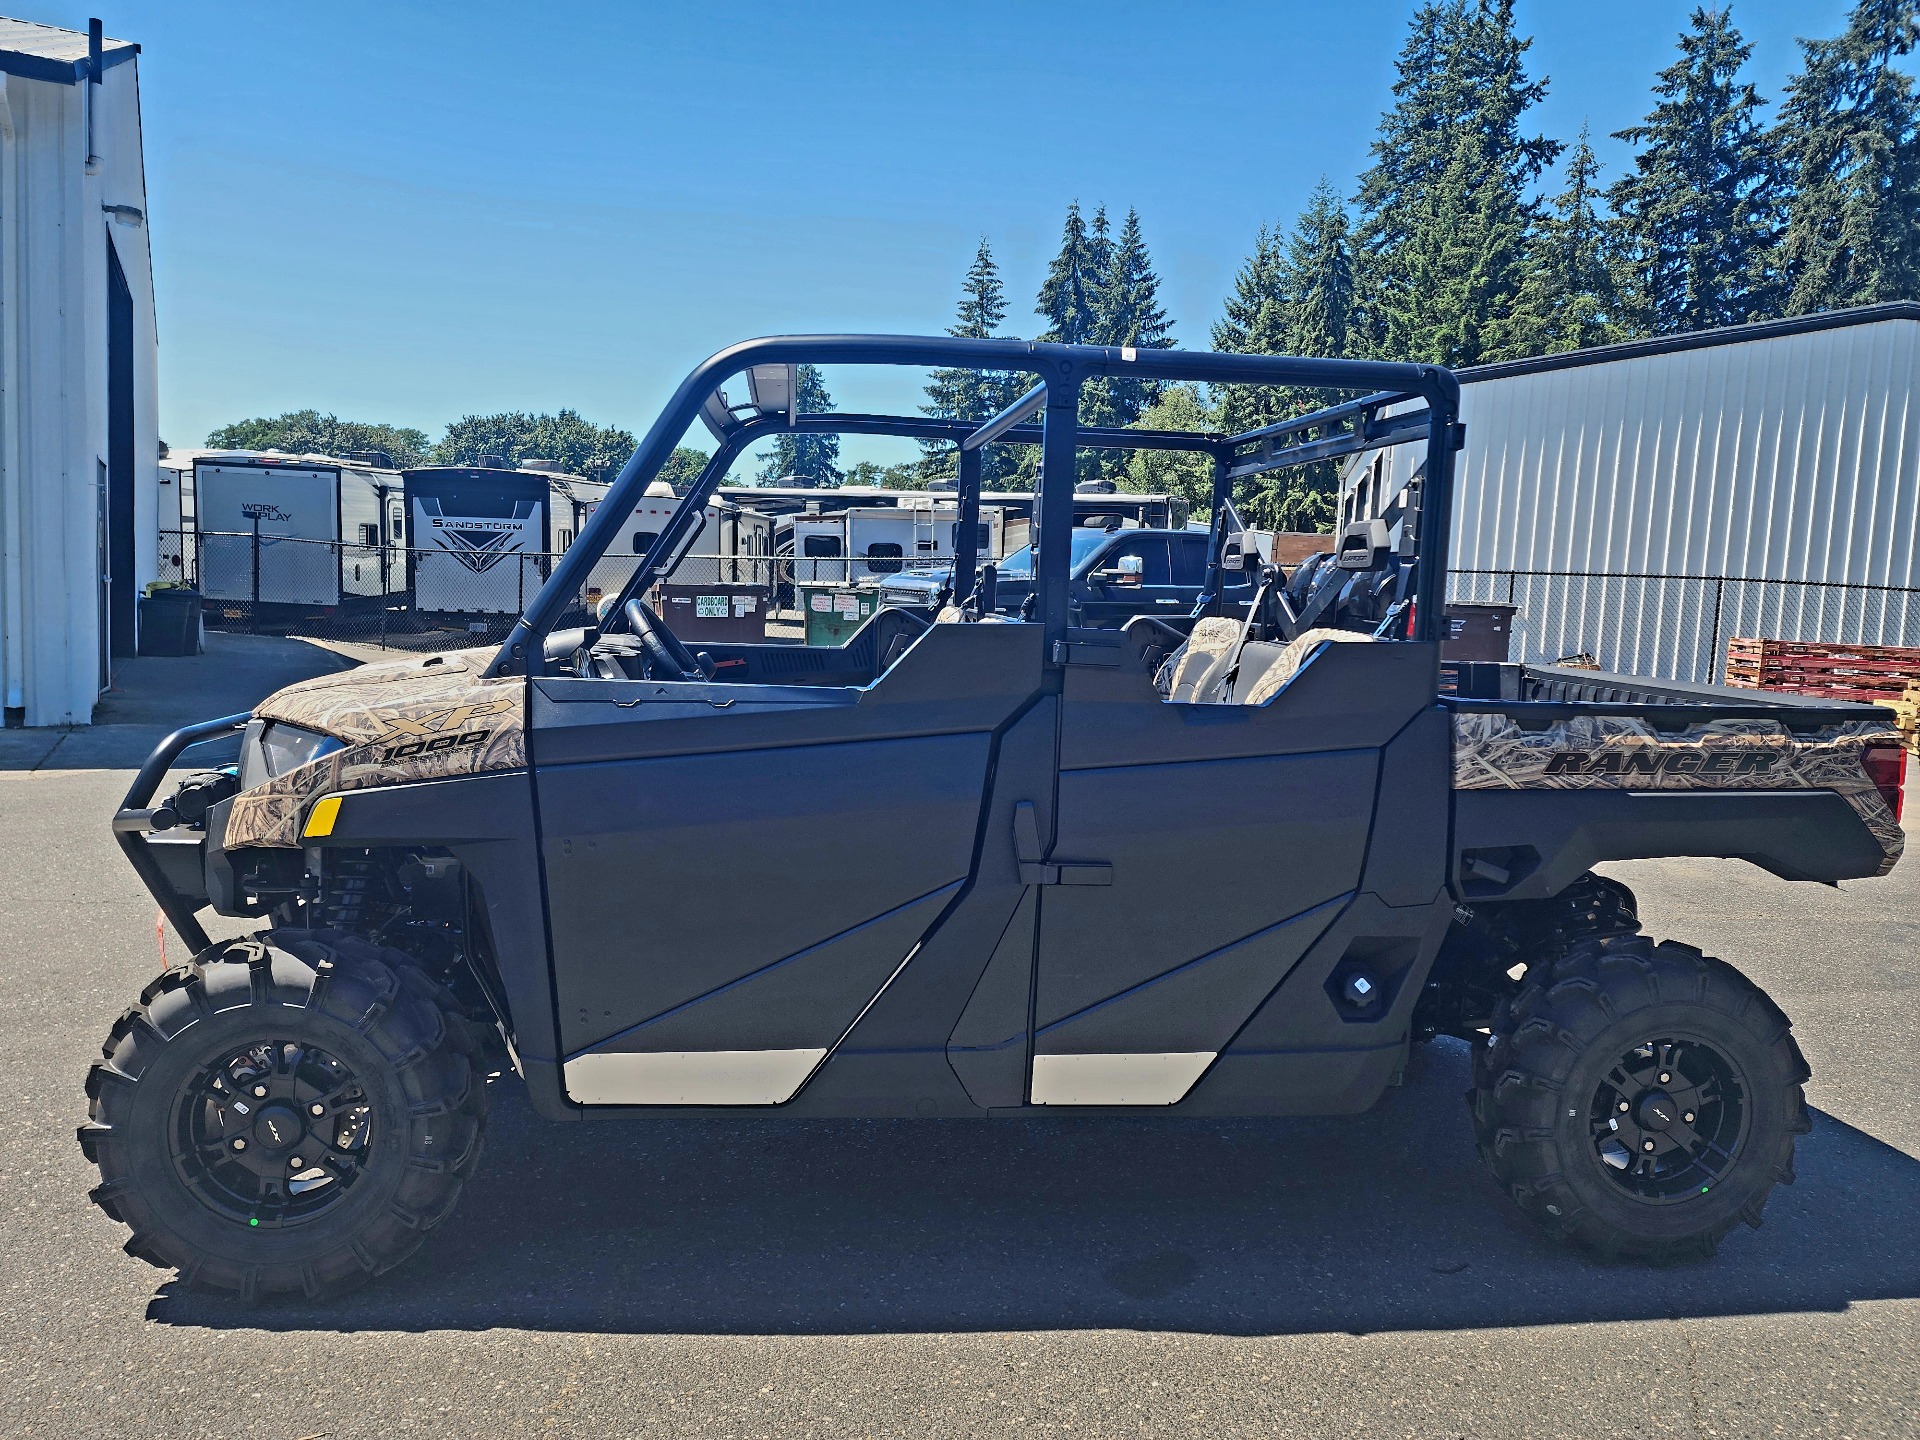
(1036, 871)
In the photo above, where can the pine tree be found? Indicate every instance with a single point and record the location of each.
(808, 459)
(1130, 314)
(973, 394)
(1098, 404)
(1292, 297)
(1445, 208)
(1698, 215)
(1099, 264)
(1069, 295)
(1317, 278)
(1255, 323)
(1849, 140)
(1566, 299)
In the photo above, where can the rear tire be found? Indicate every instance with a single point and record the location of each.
(289, 1114)
(1638, 1099)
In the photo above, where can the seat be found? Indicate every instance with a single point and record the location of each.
(1187, 671)
(1214, 668)
(1265, 668)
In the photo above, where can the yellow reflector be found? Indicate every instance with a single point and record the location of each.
(320, 821)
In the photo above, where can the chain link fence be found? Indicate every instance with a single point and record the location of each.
(1672, 627)
(391, 597)
(1676, 627)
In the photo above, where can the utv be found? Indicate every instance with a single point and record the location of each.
(1203, 864)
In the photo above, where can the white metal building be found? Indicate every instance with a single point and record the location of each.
(1644, 502)
(78, 358)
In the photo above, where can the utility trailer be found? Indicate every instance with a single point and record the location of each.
(290, 535)
(1200, 865)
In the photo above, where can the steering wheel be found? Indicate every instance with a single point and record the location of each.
(665, 653)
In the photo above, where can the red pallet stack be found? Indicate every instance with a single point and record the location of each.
(1874, 674)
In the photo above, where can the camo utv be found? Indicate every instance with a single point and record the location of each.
(1229, 862)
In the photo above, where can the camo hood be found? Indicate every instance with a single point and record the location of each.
(413, 720)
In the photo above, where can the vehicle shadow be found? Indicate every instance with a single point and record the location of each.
(1386, 1221)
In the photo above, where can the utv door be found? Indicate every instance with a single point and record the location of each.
(1200, 850)
(734, 872)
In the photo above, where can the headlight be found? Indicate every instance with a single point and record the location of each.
(287, 747)
(272, 747)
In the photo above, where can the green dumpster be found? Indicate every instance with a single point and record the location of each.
(834, 612)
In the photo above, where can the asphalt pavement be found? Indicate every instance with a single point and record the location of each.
(1100, 1277)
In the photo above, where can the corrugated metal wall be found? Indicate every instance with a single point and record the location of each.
(1644, 509)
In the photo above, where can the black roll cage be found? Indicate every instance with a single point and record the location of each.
(1059, 370)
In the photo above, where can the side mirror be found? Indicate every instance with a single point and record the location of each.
(1364, 546)
(1126, 570)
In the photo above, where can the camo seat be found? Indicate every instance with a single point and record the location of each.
(1265, 668)
(1208, 670)
(1185, 675)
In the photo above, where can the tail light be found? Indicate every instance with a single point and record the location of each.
(1886, 766)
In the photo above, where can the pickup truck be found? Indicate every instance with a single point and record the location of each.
(1200, 865)
(1115, 575)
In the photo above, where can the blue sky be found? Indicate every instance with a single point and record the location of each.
(412, 212)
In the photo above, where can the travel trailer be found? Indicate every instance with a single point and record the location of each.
(481, 538)
(287, 533)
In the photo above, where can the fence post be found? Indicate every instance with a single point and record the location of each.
(253, 610)
(1713, 645)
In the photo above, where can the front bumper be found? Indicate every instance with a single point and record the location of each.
(133, 829)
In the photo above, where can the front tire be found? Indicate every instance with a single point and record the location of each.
(287, 1115)
(1638, 1099)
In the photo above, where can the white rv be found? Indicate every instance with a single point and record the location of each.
(296, 532)
(864, 544)
(481, 541)
(734, 546)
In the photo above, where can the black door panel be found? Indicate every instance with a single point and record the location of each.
(1198, 1006)
(1233, 833)
(1203, 855)
(807, 999)
(746, 866)
(669, 877)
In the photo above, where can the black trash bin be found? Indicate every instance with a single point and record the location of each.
(170, 623)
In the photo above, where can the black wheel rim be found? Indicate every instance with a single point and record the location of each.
(273, 1133)
(1668, 1121)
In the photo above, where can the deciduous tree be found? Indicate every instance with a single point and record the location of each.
(514, 435)
(308, 432)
